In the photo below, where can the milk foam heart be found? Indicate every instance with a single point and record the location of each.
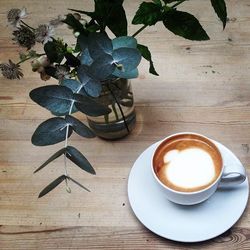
(189, 168)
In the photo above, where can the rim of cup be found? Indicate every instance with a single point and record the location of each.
(182, 192)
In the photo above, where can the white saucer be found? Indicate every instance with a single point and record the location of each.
(184, 223)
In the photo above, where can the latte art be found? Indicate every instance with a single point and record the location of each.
(187, 163)
(189, 168)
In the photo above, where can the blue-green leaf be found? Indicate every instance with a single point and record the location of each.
(102, 67)
(55, 98)
(99, 44)
(124, 42)
(71, 84)
(79, 127)
(52, 185)
(90, 107)
(77, 157)
(86, 58)
(127, 57)
(126, 74)
(52, 158)
(82, 41)
(50, 132)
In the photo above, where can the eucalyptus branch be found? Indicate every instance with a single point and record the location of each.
(119, 106)
(66, 141)
(139, 30)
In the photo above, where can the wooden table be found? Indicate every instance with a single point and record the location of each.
(202, 87)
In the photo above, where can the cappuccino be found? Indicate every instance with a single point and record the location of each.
(187, 163)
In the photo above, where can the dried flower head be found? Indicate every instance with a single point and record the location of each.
(57, 21)
(42, 61)
(11, 70)
(15, 16)
(62, 72)
(44, 33)
(44, 76)
(24, 37)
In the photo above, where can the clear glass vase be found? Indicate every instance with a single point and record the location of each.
(118, 96)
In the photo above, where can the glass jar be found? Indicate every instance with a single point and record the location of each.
(118, 96)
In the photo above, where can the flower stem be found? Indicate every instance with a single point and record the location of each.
(30, 57)
(27, 25)
(139, 30)
(176, 4)
(120, 108)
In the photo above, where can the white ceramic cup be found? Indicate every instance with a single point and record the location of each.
(229, 177)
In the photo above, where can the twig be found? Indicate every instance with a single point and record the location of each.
(139, 30)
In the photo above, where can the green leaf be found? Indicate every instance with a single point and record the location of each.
(90, 107)
(185, 25)
(77, 183)
(221, 10)
(124, 42)
(50, 132)
(76, 156)
(126, 74)
(52, 185)
(56, 99)
(75, 24)
(127, 57)
(99, 44)
(54, 52)
(158, 2)
(111, 13)
(148, 14)
(52, 158)
(79, 127)
(147, 55)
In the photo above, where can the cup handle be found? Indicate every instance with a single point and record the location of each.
(232, 175)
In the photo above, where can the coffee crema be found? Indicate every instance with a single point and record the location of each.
(187, 162)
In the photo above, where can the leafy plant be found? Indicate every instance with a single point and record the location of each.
(83, 71)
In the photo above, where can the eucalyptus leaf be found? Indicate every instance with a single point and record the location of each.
(185, 25)
(102, 67)
(55, 98)
(126, 74)
(51, 132)
(77, 157)
(52, 158)
(79, 127)
(124, 42)
(221, 10)
(127, 57)
(77, 183)
(148, 14)
(147, 55)
(52, 185)
(71, 84)
(93, 88)
(90, 107)
(82, 41)
(85, 57)
(99, 44)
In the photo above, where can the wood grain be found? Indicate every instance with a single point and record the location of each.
(202, 87)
